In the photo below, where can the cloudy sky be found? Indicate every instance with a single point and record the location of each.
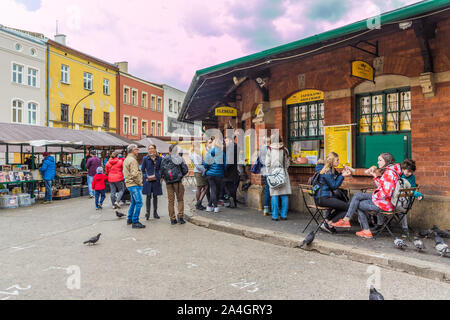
(167, 41)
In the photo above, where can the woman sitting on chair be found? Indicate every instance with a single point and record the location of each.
(379, 200)
(329, 195)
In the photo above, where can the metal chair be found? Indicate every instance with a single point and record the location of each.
(316, 212)
(405, 195)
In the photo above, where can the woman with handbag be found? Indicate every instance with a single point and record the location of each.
(277, 164)
(151, 173)
(114, 171)
(329, 195)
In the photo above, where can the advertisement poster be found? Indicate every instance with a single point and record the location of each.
(339, 139)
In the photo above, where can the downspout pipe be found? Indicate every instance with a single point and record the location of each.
(48, 81)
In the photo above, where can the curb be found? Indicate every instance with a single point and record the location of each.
(429, 270)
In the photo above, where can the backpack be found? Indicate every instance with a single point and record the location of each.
(314, 181)
(172, 172)
(404, 202)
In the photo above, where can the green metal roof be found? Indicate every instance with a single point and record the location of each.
(385, 18)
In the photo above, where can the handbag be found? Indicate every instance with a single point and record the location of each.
(151, 178)
(256, 168)
(278, 176)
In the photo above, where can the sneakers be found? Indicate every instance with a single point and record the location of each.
(284, 219)
(129, 222)
(116, 205)
(341, 224)
(209, 209)
(46, 202)
(216, 210)
(138, 225)
(364, 234)
(327, 228)
(172, 222)
(266, 211)
(181, 221)
(198, 206)
(97, 208)
(275, 219)
(100, 206)
(405, 233)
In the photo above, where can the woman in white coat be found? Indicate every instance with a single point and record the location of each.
(278, 157)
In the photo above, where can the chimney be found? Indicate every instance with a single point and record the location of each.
(123, 66)
(61, 39)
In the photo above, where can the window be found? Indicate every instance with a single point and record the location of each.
(17, 109)
(87, 81)
(159, 128)
(64, 112)
(18, 47)
(144, 130)
(33, 52)
(106, 119)
(65, 74)
(144, 100)
(17, 74)
(179, 106)
(134, 97)
(134, 122)
(306, 120)
(153, 103)
(106, 87)
(159, 105)
(126, 95)
(175, 106)
(170, 105)
(153, 128)
(88, 117)
(32, 77)
(32, 112)
(126, 125)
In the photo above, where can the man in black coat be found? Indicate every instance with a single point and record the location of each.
(151, 166)
(231, 178)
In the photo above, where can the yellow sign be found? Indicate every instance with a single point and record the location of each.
(362, 70)
(305, 96)
(247, 149)
(339, 139)
(226, 112)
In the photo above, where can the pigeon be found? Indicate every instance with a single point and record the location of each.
(418, 244)
(426, 233)
(374, 294)
(441, 247)
(400, 244)
(92, 240)
(119, 214)
(309, 238)
(441, 233)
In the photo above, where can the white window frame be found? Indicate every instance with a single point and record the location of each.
(170, 105)
(153, 125)
(31, 77)
(153, 105)
(88, 78)
(135, 130)
(17, 73)
(179, 107)
(65, 74)
(15, 109)
(159, 129)
(144, 100)
(126, 129)
(159, 104)
(146, 127)
(128, 97)
(36, 112)
(106, 86)
(135, 102)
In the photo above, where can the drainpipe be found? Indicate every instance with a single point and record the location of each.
(118, 99)
(48, 90)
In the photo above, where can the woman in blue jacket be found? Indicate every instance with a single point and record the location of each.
(151, 174)
(327, 195)
(214, 164)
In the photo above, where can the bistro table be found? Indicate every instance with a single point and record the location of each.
(353, 187)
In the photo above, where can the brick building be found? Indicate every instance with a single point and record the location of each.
(303, 87)
(140, 106)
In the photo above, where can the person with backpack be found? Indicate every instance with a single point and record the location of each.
(379, 200)
(173, 169)
(277, 164)
(215, 165)
(328, 194)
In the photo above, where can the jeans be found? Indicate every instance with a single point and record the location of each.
(89, 182)
(362, 202)
(266, 195)
(284, 206)
(340, 207)
(99, 193)
(119, 188)
(48, 190)
(136, 203)
(214, 188)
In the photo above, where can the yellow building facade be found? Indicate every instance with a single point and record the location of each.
(82, 86)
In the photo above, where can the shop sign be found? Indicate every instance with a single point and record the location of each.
(304, 96)
(339, 139)
(226, 112)
(362, 70)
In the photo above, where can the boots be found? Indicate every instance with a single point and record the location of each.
(155, 215)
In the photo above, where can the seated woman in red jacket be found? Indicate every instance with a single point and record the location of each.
(379, 200)
(98, 185)
(114, 170)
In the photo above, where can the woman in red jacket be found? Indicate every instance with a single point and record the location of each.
(114, 170)
(379, 200)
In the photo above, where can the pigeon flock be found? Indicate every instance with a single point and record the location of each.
(434, 233)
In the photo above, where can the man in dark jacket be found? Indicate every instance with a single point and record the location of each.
(151, 172)
(173, 169)
(91, 165)
(231, 178)
(48, 174)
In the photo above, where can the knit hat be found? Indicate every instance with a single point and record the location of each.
(46, 154)
(99, 170)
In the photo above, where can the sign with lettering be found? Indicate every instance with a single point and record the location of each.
(339, 139)
(226, 112)
(303, 96)
(362, 70)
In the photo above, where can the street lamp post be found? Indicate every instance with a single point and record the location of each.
(90, 94)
